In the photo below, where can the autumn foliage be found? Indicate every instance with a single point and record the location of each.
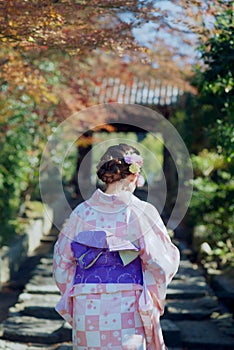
(53, 54)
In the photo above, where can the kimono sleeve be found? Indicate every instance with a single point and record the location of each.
(160, 257)
(64, 263)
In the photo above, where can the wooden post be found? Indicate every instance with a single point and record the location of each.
(84, 163)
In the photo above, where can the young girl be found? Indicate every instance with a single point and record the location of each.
(113, 261)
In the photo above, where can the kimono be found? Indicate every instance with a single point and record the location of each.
(113, 261)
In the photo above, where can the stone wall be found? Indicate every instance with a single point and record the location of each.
(12, 256)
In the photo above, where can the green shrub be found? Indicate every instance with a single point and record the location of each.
(18, 168)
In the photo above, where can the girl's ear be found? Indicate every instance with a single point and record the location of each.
(132, 177)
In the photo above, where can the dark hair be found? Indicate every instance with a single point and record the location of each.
(112, 166)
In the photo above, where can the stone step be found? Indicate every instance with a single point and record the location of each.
(225, 322)
(38, 299)
(195, 309)
(48, 239)
(41, 284)
(37, 305)
(204, 335)
(65, 346)
(188, 269)
(43, 270)
(49, 255)
(35, 330)
(41, 289)
(171, 333)
(45, 312)
(188, 288)
(182, 294)
(47, 260)
(39, 280)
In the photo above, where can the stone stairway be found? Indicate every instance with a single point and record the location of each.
(196, 314)
(193, 318)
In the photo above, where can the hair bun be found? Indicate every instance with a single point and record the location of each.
(112, 166)
(110, 171)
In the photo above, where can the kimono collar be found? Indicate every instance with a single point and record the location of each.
(104, 202)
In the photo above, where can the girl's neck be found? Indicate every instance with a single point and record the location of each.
(126, 184)
(114, 188)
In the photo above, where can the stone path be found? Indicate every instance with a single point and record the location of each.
(193, 317)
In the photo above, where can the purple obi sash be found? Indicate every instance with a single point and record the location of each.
(99, 259)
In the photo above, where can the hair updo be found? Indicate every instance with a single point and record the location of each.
(112, 166)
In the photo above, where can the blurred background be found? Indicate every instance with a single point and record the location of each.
(59, 57)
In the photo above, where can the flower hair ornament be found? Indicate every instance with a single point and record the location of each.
(135, 162)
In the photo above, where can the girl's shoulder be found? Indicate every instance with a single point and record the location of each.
(144, 205)
(79, 209)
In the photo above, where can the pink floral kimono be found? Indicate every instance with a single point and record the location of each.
(112, 263)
